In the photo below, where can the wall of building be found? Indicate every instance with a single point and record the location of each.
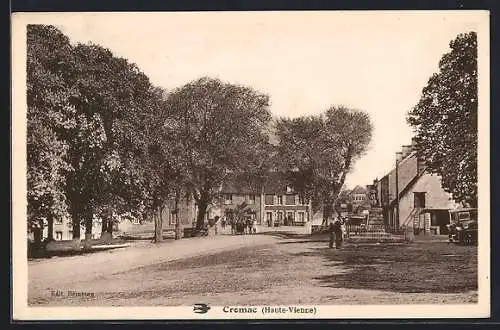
(435, 196)
(407, 170)
(286, 209)
(63, 230)
(237, 199)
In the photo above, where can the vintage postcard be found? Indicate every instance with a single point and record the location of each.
(250, 165)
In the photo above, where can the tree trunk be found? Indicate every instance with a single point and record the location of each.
(38, 236)
(110, 224)
(75, 219)
(177, 220)
(104, 224)
(88, 227)
(158, 226)
(50, 228)
(200, 218)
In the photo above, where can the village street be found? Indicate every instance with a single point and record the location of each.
(272, 268)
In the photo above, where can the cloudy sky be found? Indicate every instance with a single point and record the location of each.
(305, 61)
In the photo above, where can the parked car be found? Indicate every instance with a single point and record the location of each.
(463, 226)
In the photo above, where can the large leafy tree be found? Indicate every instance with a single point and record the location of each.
(107, 142)
(49, 117)
(445, 120)
(164, 177)
(221, 130)
(88, 113)
(319, 151)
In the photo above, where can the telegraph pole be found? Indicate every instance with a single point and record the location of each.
(396, 220)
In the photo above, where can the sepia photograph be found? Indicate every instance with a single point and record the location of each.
(255, 165)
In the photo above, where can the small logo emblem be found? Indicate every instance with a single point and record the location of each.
(201, 308)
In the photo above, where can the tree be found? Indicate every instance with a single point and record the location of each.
(107, 143)
(96, 143)
(241, 211)
(221, 130)
(319, 151)
(445, 120)
(49, 116)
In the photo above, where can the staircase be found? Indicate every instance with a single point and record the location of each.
(376, 230)
(412, 220)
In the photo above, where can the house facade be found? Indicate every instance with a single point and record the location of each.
(62, 230)
(421, 203)
(274, 202)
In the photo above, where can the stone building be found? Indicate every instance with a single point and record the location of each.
(423, 203)
(274, 202)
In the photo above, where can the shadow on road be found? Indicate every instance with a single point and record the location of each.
(405, 268)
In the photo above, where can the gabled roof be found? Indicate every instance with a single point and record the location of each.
(275, 183)
(358, 190)
(271, 183)
(410, 184)
(240, 184)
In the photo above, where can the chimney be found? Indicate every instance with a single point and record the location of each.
(406, 150)
(420, 164)
(414, 144)
(399, 156)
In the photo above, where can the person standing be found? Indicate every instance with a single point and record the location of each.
(331, 234)
(248, 226)
(233, 226)
(216, 225)
(338, 234)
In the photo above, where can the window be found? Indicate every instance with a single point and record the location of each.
(419, 199)
(228, 199)
(290, 199)
(58, 235)
(302, 217)
(302, 200)
(251, 199)
(269, 199)
(171, 219)
(290, 216)
(280, 200)
(269, 217)
(280, 216)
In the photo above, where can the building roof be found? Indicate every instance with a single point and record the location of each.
(240, 184)
(410, 184)
(271, 183)
(358, 190)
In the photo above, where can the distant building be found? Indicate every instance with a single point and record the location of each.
(273, 202)
(353, 202)
(423, 202)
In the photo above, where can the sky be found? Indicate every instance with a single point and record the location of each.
(305, 61)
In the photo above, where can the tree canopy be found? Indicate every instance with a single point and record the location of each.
(220, 129)
(49, 115)
(88, 118)
(445, 120)
(319, 151)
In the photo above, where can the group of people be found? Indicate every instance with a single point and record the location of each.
(238, 226)
(243, 226)
(337, 231)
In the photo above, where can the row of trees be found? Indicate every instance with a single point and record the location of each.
(103, 140)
